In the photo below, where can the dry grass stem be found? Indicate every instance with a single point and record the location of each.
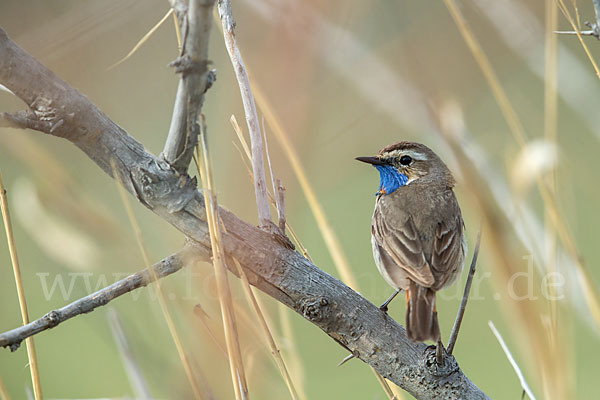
(244, 144)
(201, 314)
(512, 361)
(238, 375)
(12, 248)
(266, 331)
(185, 362)
(144, 39)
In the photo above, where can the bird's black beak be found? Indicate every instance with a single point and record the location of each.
(371, 160)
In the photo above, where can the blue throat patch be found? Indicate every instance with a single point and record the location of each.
(390, 179)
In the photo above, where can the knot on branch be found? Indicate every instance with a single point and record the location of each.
(158, 184)
(315, 309)
(53, 318)
(187, 65)
(42, 108)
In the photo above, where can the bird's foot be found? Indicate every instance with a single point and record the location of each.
(440, 353)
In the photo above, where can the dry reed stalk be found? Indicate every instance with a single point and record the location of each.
(143, 39)
(187, 366)
(12, 248)
(266, 331)
(238, 375)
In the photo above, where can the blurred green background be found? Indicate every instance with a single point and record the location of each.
(345, 78)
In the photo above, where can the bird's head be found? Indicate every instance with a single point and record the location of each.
(405, 162)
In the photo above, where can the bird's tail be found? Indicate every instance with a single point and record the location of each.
(421, 314)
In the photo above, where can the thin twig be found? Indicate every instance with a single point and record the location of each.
(258, 166)
(89, 303)
(582, 33)
(236, 365)
(12, 248)
(266, 331)
(463, 303)
(512, 361)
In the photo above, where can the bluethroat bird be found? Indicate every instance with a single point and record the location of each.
(417, 231)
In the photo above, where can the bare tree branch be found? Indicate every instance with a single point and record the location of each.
(89, 303)
(256, 143)
(196, 79)
(270, 265)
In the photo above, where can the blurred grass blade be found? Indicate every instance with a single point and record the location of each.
(187, 366)
(512, 361)
(3, 392)
(12, 248)
(143, 40)
(266, 331)
(137, 381)
(589, 289)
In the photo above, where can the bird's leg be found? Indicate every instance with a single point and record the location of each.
(384, 306)
(439, 352)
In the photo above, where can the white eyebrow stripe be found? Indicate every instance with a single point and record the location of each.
(414, 154)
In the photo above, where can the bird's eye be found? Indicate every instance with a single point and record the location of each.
(405, 160)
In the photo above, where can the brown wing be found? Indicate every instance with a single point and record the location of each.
(447, 256)
(397, 235)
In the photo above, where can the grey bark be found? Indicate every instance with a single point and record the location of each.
(57, 109)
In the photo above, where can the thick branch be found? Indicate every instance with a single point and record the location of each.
(273, 267)
(89, 303)
(195, 81)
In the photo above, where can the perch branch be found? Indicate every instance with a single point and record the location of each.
(270, 265)
(256, 143)
(89, 303)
